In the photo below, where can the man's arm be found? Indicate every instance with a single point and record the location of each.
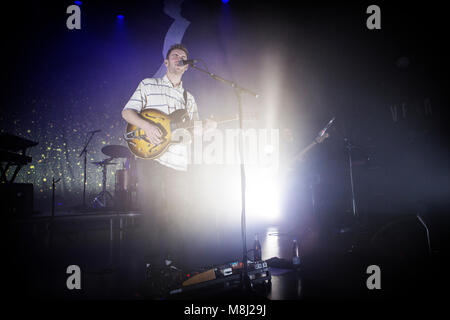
(132, 116)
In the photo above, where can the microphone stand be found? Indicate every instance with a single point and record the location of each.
(356, 216)
(349, 146)
(246, 285)
(85, 164)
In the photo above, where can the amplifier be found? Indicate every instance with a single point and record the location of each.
(17, 199)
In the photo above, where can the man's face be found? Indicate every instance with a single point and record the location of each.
(172, 63)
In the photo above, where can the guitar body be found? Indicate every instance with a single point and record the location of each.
(138, 143)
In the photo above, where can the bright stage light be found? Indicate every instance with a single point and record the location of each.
(263, 193)
(269, 149)
(120, 16)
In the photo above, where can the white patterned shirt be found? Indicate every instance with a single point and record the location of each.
(160, 94)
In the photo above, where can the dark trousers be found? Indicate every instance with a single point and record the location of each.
(163, 195)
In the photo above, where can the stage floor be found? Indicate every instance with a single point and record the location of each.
(108, 248)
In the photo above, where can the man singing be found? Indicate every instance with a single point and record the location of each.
(163, 185)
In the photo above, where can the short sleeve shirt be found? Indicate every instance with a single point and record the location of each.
(160, 94)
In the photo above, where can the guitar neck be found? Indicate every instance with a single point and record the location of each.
(217, 121)
(317, 140)
(304, 151)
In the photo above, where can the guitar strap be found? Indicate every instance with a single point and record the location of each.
(185, 103)
(185, 98)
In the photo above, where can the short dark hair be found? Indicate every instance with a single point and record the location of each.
(177, 46)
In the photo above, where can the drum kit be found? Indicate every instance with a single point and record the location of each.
(125, 182)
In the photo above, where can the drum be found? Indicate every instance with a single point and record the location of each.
(124, 190)
(123, 180)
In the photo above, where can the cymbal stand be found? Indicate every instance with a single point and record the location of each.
(85, 166)
(103, 197)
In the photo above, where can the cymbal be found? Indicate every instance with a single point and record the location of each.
(116, 151)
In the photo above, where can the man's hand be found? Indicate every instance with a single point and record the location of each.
(153, 133)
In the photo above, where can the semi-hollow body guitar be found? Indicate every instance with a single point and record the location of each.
(141, 147)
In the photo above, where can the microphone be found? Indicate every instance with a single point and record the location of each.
(185, 62)
(322, 132)
(95, 131)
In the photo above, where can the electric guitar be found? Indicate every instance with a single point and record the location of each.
(322, 135)
(299, 157)
(168, 124)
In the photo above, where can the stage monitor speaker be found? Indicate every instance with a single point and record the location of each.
(17, 199)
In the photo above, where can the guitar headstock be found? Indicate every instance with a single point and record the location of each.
(320, 139)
